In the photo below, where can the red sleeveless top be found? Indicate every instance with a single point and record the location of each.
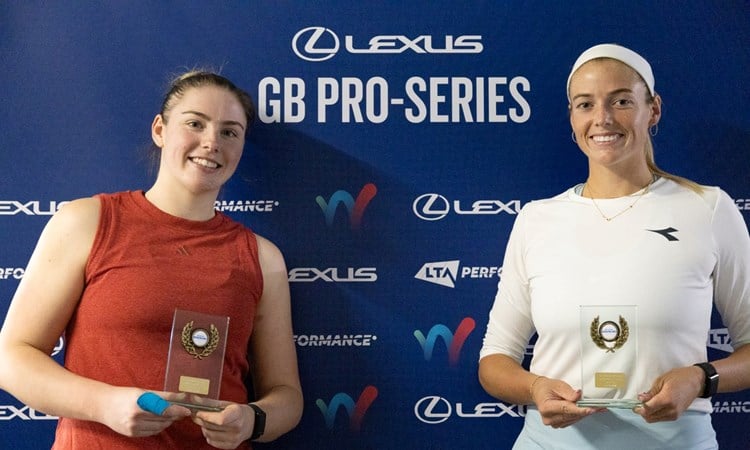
(143, 265)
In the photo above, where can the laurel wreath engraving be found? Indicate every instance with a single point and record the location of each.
(187, 341)
(599, 341)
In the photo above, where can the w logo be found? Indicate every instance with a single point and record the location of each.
(356, 411)
(453, 341)
(356, 208)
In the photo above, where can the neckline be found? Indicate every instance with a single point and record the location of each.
(578, 188)
(164, 218)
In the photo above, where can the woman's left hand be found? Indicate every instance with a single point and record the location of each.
(671, 394)
(227, 428)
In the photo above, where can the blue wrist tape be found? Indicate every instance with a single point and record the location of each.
(152, 403)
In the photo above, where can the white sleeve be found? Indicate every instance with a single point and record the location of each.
(510, 326)
(732, 272)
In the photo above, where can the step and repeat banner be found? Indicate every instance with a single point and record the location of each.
(395, 144)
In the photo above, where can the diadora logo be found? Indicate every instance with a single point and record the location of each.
(356, 208)
(445, 273)
(333, 275)
(32, 208)
(320, 43)
(453, 341)
(433, 410)
(356, 411)
(433, 207)
(719, 339)
(667, 233)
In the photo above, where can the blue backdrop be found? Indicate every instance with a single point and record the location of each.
(396, 142)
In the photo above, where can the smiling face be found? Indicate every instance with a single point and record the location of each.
(201, 138)
(611, 111)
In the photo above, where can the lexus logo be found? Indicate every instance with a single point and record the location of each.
(433, 410)
(320, 43)
(315, 44)
(431, 207)
(435, 207)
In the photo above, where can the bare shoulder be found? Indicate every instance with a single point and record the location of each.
(72, 229)
(270, 256)
(80, 211)
(77, 218)
(275, 280)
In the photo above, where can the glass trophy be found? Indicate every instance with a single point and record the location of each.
(196, 360)
(609, 350)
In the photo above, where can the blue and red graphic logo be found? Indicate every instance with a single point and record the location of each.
(356, 208)
(356, 411)
(453, 341)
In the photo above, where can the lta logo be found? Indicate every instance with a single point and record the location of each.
(356, 208)
(356, 411)
(453, 341)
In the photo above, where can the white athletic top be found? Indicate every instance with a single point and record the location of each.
(671, 254)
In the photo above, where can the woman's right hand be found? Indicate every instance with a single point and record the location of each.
(124, 416)
(556, 402)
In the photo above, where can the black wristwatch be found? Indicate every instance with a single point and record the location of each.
(712, 379)
(260, 422)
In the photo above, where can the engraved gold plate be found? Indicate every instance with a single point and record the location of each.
(194, 385)
(616, 380)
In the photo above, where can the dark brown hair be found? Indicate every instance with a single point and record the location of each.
(199, 78)
(177, 88)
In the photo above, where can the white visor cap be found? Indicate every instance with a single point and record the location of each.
(619, 53)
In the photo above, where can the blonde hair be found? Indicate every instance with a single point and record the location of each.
(654, 169)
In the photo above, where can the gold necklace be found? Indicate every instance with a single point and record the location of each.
(608, 219)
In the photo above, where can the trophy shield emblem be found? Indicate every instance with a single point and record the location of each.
(196, 358)
(608, 355)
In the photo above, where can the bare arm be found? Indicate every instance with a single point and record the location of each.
(274, 364)
(734, 370)
(504, 378)
(44, 302)
(276, 376)
(41, 307)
